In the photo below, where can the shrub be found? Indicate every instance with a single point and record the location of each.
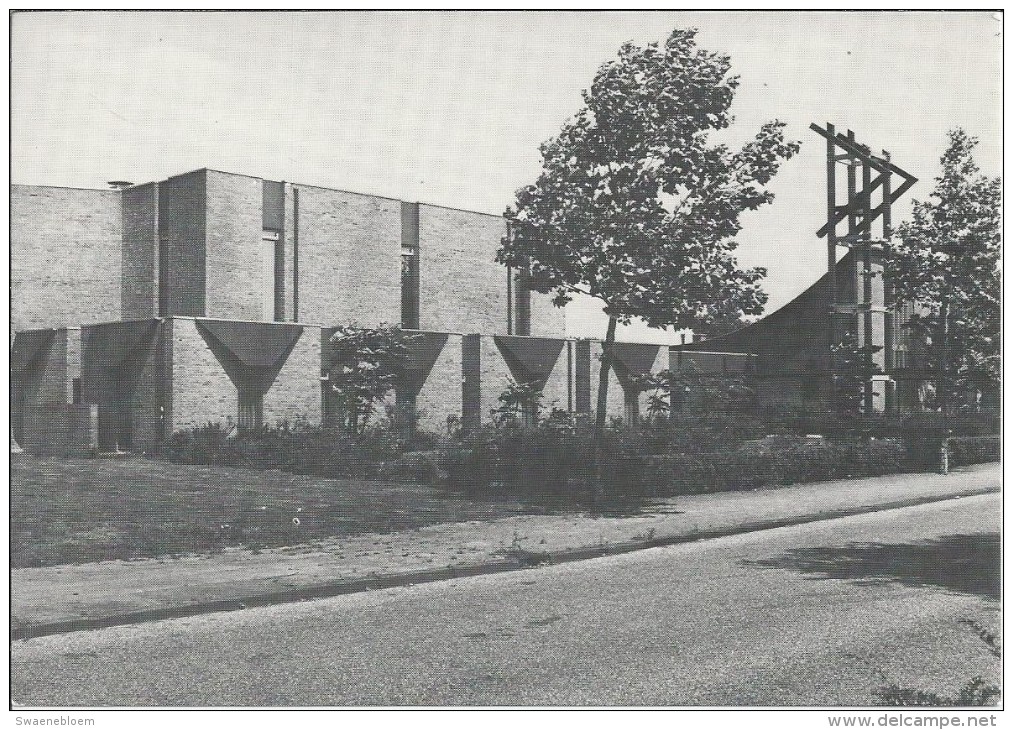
(544, 460)
(774, 461)
(976, 692)
(966, 450)
(552, 459)
(323, 452)
(205, 445)
(555, 463)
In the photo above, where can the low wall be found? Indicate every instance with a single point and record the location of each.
(61, 429)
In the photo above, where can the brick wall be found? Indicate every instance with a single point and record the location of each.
(74, 347)
(139, 286)
(462, 289)
(65, 256)
(555, 391)
(235, 283)
(44, 380)
(61, 429)
(616, 399)
(441, 394)
(289, 238)
(54, 371)
(660, 363)
(495, 376)
(181, 230)
(41, 395)
(349, 258)
(201, 389)
(149, 396)
(547, 320)
(295, 395)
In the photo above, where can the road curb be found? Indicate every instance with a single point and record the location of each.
(521, 560)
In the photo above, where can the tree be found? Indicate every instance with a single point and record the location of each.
(518, 403)
(636, 207)
(853, 367)
(721, 318)
(366, 365)
(947, 263)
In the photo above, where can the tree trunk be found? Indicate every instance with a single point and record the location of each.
(942, 386)
(600, 415)
(944, 364)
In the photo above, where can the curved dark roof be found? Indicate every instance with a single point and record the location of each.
(797, 325)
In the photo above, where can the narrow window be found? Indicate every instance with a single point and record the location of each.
(529, 414)
(522, 302)
(328, 412)
(251, 409)
(268, 276)
(409, 288)
(632, 405)
(407, 413)
(410, 266)
(76, 390)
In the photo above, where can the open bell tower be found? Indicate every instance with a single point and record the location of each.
(858, 302)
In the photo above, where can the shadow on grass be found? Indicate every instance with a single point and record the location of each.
(569, 503)
(959, 563)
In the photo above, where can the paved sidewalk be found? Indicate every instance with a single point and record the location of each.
(70, 597)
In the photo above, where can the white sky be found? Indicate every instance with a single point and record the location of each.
(449, 108)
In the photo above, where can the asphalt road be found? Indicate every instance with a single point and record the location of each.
(815, 615)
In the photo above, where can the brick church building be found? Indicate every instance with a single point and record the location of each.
(211, 297)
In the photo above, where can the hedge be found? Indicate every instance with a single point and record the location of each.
(966, 450)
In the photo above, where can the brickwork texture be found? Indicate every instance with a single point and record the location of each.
(139, 286)
(234, 275)
(462, 288)
(349, 258)
(65, 256)
(294, 397)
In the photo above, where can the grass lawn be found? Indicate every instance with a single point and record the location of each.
(85, 510)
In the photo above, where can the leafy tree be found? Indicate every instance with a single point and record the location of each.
(689, 388)
(635, 205)
(518, 403)
(853, 367)
(947, 262)
(721, 318)
(366, 365)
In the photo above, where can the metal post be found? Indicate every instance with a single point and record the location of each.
(887, 204)
(852, 189)
(831, 253)
(867, 286)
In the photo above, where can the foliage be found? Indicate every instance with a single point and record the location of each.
(853, 367)
(947, 262)
(518, 402)
(689, 389)
(722, 319)
(976, 692)
(633, 205)
(206, 444)
(778, 461)
(636, 206)
(366, 365)
(299, 450)
(965, 450)
(546, 463)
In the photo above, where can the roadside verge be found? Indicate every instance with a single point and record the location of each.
(67, 598)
